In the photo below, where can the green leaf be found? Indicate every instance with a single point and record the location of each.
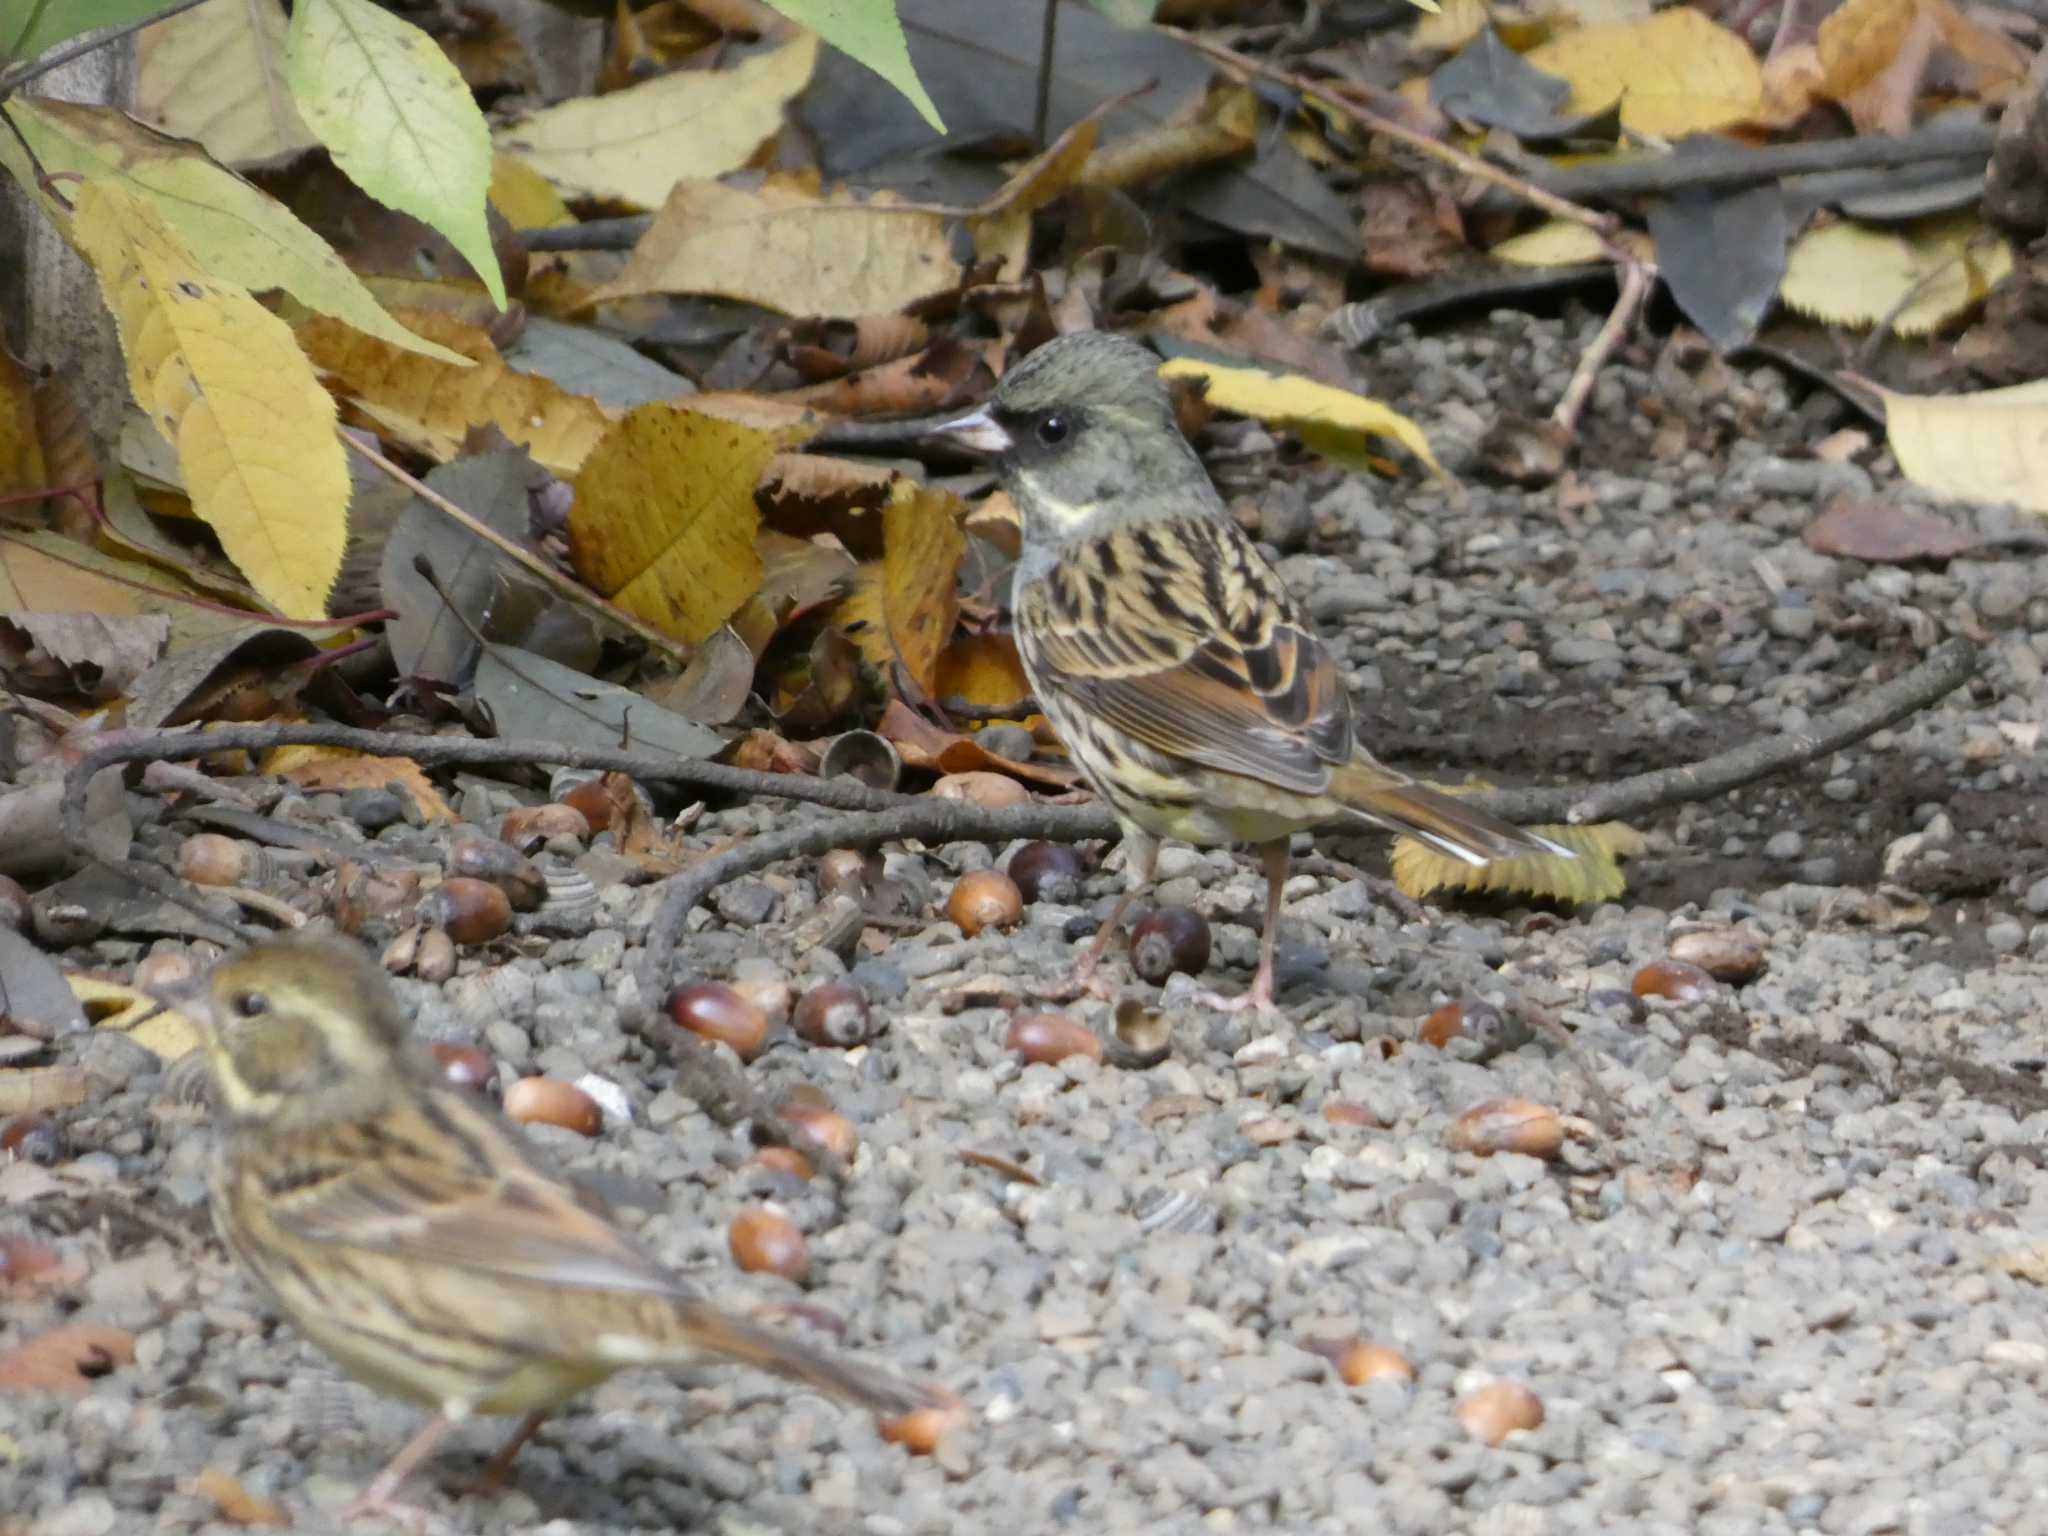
(868, 31)
(397, 118)
(27, 27)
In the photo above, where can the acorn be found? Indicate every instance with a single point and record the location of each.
(593, 802)
(468, 911)
(550, 1101)
(848, 870)
(434, 961)
(1508, 1125)
(822, 1127)
(1357, 1362)
(361, 895)
(1344, 1112)
(1169, 939)
(531, 826)
(1048, 872)
(462, 1065)
(1140, 1038)
(993, 790)
(920, 1430)
(764, 1242)
(987, 898)
(1732, 955)
(1494, 1412)
(163, 970)
(711, 1010)
(834, 1014)
(211, 858)
(500, 864)
(1676, 981)
(1045, 1039)
(783, 1160)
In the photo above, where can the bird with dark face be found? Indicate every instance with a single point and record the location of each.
(409, 1229)
(1179, 671)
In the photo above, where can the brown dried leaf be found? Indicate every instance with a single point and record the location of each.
(1883, 533)
(67, 1359)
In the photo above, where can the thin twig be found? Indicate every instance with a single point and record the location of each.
(580, 596)
(1635, 287)
(1048, 38)
(20, 74)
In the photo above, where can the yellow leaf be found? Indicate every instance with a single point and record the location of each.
(985, 670)
(163, 1032)
(216, 75)
(1594, 875)
(430, 406)
(921, 551)
(664, 520)
(1989, 446)
(1674, 74)
(44, 572)
(523, 197)
(1917, 276)
(335, 768)
(21, 448)
(1001, 227)
(235, 231)
(858, 616)
(1331, 420)
(1450, 28)
(226, 385)
(633, 145)
(785, 249)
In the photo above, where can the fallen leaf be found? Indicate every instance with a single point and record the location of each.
(21, 449)
(530, 696)
(634, 145)
(1917, 277)
(1882, 533)
(85, 653)
(788, 249)
(664, 520)
(67, 1359)
(934, 749)
(1675, 73)
(1333, 421)
(1989, 446)
(224, 382)
(337, 769)
(922, 548)
(985, 671)
(216, 75)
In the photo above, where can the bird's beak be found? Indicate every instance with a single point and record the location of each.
(978, 431)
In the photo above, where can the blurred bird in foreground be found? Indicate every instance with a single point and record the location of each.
(412, 1233)
(1177, 668)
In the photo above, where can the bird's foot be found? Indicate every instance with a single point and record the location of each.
(1083, 982)
(1258, 998)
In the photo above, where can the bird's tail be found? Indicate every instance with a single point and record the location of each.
(713, 1331)
(1398, 803)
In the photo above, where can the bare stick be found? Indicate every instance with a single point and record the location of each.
(1635, 287)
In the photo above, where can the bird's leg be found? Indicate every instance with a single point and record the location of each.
(493, 1475)
(1260, 997)
(1141, 857)
(376, 1499)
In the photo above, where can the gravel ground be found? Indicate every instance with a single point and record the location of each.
(1773, 1293)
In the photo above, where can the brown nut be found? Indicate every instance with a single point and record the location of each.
(1467, 1018)
(532, 825)
(784, 1160)
(361, 895)
(1046, 1038)
(164, 969)
(834, 1014)
(1494, 1412)
(711, 1010)
(211, 858)
(502, 865)
(848, 870)
(1676, 980)
(1726, 954)
(471, 911)
(31, 1138)
(1169, 939)
(1140, 1038)
(1508, 1125)
(987, 898)
(982, 788)
(1358, 1362)
(593, 802)
(1344, 1112)
(766, 1243)
(549, 1101)
(462, 1066)
(1048, 872)
(823, 1128)
(920, 1430)
(770, 994)
(435, 960)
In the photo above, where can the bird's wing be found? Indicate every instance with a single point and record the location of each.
(1181, 635)
(442, 1180)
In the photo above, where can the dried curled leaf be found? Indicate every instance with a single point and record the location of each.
(1594, 875)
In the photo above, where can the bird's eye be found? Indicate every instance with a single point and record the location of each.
(1053, 429)
(250, 1005)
